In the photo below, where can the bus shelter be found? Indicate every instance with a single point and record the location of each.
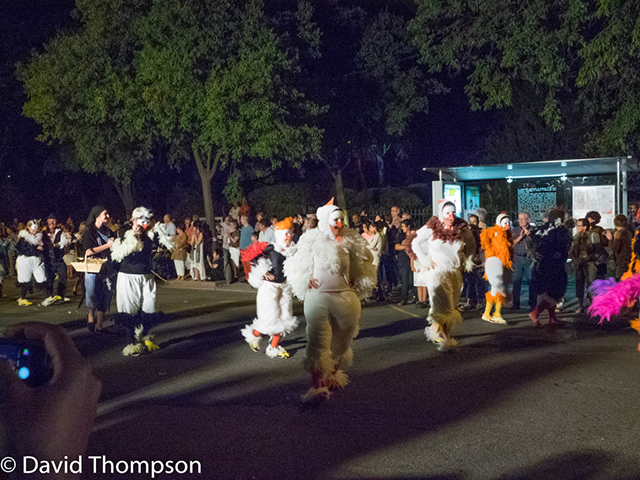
(577, 186)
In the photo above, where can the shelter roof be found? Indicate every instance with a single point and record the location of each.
(549, 168)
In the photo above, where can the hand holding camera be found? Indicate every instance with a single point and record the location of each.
(54, 419)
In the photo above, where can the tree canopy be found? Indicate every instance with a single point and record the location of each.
(583, 50)
(364, 70)
(208, 78)
(82, 92)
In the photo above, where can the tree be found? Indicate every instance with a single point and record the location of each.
(208, 78)
(364, 69)
(609, 79)
(81, 90)
(500, 41)
(522, 135)
(582, 52)
(219, 87)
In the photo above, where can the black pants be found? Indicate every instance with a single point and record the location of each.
(390, 269)
(474, 286)
(582, 279)
(59, 267)
(406, 277)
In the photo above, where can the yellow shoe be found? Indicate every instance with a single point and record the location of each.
(133, 350)
(497, 315)
(276, 352)
(255, 346)
(23, 302)
(487, 312)
(48, 301)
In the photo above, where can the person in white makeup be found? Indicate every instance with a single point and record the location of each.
(443, 246)
(133, 249)
(497, 243)
(331, 271)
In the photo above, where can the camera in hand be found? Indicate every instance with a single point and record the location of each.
(29, 359)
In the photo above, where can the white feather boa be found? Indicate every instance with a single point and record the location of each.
(124, 247)
(32, 239)
(315, 246)
(258, 271)
(131, 244)
(163, 239)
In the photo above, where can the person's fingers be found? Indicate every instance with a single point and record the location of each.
(59, 346)
(9, 381)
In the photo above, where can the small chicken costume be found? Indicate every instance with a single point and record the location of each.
(497, 243)
(274, 303)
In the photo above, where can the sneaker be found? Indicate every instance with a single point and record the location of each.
(23, 302)
(48, 301)
(499, 320)
(66, 299)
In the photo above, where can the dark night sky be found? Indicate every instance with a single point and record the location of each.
(450, 134)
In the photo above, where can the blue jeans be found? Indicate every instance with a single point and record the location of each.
(522, 270)
(98, 295)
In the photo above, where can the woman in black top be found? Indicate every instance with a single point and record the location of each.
(97, 241)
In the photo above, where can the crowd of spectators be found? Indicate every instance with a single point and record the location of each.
(205, 254)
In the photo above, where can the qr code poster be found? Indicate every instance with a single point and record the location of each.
(537, 201)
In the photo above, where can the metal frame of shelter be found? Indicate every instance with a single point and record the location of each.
(552, 170)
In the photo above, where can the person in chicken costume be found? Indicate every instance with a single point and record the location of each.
(331, 271)
(30, 262)
(443, 247)
(136, 285)
(497, 243)
(275, 300)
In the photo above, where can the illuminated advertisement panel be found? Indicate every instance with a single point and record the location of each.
(472, 200)
(600, 198)
(453, 193)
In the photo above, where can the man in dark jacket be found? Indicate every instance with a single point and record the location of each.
(55, 241)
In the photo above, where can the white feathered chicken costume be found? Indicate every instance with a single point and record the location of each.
(444, 246)
(331, 271)
(274, 302)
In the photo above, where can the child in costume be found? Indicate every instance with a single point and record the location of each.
(275, 300)
(331, 271)
(497, 243)
(30, 262)
(443, 247)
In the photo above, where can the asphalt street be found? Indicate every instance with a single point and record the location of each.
(513, 402)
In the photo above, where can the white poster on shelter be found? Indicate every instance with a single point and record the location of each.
(601, 198)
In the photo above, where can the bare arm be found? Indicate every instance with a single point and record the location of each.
(101, 248)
